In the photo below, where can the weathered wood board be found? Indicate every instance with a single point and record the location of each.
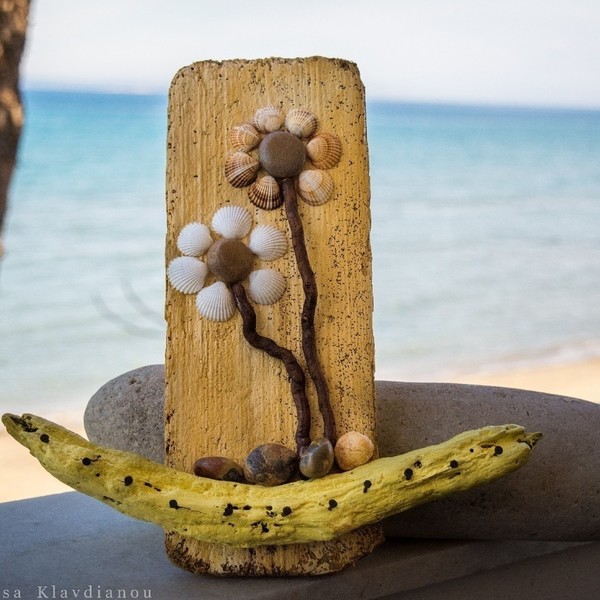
(224, 397)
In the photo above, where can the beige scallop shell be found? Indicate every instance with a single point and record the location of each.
(266, 286)
(215, 302)
(241, 169)
(244, 137)
(264, 193)
(324, 150)
(268, 242)
(187, 274)
(194, 239)
(232, 221)
(301, 122)
(268, 119)
(315, 186)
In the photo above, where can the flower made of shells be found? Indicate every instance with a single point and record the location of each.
(228, 260)
(276, 146)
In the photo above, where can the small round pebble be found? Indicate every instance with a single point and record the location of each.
(219, 467)
(353, 449)
(317, 459)
(230, 260)
(282, 154)
(270, 464)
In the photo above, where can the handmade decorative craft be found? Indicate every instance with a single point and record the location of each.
(272, 463)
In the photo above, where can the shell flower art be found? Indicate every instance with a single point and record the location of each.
(276, 146)
(229, 260)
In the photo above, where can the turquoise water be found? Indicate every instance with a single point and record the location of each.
(486, 241)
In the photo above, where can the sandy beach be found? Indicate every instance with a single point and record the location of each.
(23, 477)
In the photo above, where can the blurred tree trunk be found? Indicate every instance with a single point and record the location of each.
(13, 27)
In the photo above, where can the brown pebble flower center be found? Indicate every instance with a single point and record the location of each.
(282, 154)
(230, 260)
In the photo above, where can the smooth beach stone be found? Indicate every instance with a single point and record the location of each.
(317, 458)
(230, 260)
(127, 413)
(282, 154)
(219, 467)
(270, 464)
(555, 496)
(352, 450)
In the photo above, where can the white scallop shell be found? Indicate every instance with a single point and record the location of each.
(215, 302)
(232, 221)
(315, 186)
(324, 150)
(301, 122)
(244, 137)
(187, 274)
(266, 286)
(241, 169)
(194, 239)
(268, 242)
(268, 119)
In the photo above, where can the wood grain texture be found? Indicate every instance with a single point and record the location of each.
(222, 396)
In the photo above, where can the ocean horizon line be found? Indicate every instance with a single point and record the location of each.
(379, 101)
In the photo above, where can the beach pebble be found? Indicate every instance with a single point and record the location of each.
(219, 467)
(282, 154)
(352, 450)
(127, 413)
(555, 496)
(317, 459)
(270, 464)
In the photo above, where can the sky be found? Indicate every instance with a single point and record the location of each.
(516, 52)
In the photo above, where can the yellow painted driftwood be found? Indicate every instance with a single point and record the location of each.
(224, 397)
(252, 516)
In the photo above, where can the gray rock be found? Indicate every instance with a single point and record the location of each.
(127, 413)
(555, 496)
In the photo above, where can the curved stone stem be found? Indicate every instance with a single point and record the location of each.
(292, 366)
(309, 342)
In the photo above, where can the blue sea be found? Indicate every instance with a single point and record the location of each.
(486, 242)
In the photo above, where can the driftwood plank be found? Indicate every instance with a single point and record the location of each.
(222, 396)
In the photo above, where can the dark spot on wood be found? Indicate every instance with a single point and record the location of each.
(228, 510)
(366, 485)
(147, 484)
(97, 474)
(173, 504)
(268, 508)
(86, 461)
(498, 450)
(286, 512)
(418, 464)
(128, 480)
(247, 507)
(454, 464)
(332, 504)
(471, 450)
(408, 473)
(45, 438)
(264, 528)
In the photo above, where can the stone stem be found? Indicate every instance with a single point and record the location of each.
(292, 366)
(309, 342)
